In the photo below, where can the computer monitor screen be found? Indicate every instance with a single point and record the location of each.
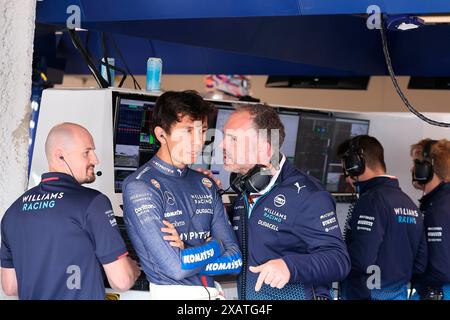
(317, 142)
(313, 144)
(134, 144)
(291, 124)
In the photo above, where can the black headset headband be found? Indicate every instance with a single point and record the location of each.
(426, 152)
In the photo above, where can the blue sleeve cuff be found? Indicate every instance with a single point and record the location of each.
(113, 256)
(294, 275)
(7, 264)
(224, 265)
(196, 257)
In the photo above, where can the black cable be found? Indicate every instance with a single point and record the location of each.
(116, 48)
(168, 150)
(222, 191)
(71, 172)
(209, 294)
(397, 87)
(124, 75)
(77, 44)
(243, 285)
(122, 81)
(86, 42)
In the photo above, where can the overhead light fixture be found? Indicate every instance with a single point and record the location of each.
(402, 22)
(407, 26)
(408, 22)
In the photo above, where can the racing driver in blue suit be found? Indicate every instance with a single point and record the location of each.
(174, 215)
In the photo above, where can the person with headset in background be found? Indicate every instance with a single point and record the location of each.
(431, 174)
(174, 215)
(56, 235)
(385, 241)
(285, 220)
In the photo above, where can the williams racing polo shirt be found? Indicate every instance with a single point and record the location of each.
(56, 236)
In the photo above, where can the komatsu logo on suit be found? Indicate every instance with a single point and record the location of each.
(224, 265)
(173, 213)
(196, 257)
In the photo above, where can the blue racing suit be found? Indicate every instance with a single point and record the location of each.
(190, 201)
(436, 209)
(386, 242)
(294, 220)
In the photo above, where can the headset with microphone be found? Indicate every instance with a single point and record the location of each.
(98, 173)
(168, 149)
(256, 179)
(423, 170)
(354, 163)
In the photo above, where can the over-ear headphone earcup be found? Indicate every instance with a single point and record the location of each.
(361, 164)
(254, 181)
(423, 171)
(257, 183)
(257, 179)
(354, 164)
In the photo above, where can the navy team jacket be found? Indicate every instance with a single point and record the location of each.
(436, 209)
(386, 235)
(295, 221)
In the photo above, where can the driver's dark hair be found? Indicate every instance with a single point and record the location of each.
(171, 106)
